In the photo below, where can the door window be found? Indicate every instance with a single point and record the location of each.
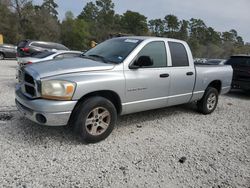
(156, 51)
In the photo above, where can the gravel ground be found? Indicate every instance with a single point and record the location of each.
(172, 147)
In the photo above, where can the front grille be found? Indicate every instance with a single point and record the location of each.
(29, 79)
(28, 85)
(30, 90)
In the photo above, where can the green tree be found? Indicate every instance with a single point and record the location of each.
(172, 23)
(183, 32)
(100, 17)
(213, 36)
(50, 6)
(105, 19)
(89, 12)
(8, 23)
(198, 30)
(134, 23)
(239, 40)
(156, 27)
(228, 36)
(75, 33)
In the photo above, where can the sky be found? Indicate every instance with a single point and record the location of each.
(222, 15)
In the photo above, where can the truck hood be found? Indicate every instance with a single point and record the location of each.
(67, 66)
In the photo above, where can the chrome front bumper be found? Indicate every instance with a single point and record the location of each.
(45, 112)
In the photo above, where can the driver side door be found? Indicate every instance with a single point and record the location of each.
(147, 86)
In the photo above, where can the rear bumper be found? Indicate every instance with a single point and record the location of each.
(245, 85)
(45, 112)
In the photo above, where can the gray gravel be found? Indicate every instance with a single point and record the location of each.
(143, 151)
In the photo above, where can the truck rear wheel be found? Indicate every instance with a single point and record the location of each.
(209, 101)
(95, 119)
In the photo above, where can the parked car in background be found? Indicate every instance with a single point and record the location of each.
(215, 61)
(29, 48)
(7, 51)
(119, 76)
(241, 71)
(45, 56)
(48, 55)
(200, 60)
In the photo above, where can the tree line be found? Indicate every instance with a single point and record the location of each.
(98, 21)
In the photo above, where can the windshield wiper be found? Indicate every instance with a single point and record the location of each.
(105, 60)
(100, 57)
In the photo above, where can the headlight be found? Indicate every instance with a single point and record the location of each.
(58, 89)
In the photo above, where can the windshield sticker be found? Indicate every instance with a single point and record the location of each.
(131, 40)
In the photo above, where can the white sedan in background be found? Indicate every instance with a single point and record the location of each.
(45, 56)
(48, 55)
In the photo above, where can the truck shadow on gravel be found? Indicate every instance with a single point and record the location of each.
(157, 114)
(236, 93)
(23, 130)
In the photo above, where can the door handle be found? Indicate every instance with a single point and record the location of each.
(164, 75)
(189, 73)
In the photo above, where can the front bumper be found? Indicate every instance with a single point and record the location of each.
(44, 112)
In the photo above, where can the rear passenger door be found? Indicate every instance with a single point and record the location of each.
(182, 75)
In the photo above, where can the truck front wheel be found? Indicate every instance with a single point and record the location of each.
(95, 119)
(209, 101)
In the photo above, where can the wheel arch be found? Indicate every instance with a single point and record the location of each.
(108, 94)
(215, 84)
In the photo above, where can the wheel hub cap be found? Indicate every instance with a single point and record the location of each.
(98, 121)
(211, 101)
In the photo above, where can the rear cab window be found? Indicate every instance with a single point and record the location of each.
(178, 54)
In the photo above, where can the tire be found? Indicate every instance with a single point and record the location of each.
(94, 119)
(209, 101)
(1, 56)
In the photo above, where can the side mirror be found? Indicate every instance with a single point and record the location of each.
(142, 61)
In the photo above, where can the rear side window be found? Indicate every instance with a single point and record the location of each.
(178, 54)
(157, 53)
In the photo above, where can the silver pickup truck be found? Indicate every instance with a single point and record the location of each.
(119, 76)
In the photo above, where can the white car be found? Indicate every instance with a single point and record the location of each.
(216, 61)
(45, 56)
(48, 55)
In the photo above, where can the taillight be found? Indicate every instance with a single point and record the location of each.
(29, 63)
(25, 49)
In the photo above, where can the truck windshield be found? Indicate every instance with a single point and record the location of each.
(113, 50)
